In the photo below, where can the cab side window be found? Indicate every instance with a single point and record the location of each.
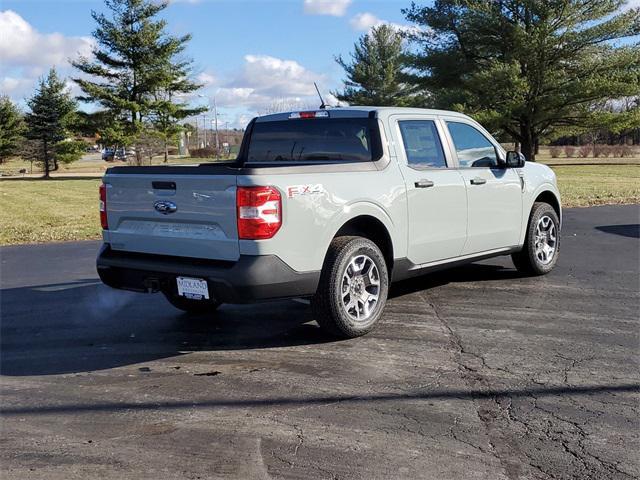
(422, 144)
(472, 147)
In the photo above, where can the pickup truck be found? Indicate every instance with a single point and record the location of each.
(332, 204)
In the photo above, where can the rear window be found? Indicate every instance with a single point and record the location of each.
(315, 140)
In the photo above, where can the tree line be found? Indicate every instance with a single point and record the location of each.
(531, 71)
(528, 70)
(137, 76)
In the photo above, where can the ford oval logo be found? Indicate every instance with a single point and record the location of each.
(165, 207)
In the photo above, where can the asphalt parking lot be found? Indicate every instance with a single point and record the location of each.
(475, 373)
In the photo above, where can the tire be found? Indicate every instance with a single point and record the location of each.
(535, 257)
(362, 262)
(193, 307)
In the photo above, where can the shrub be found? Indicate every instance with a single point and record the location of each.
(627, 151)
(569, 151)
(601, 150)
(555, 151)
(584, 151)
(618, 150)
(206, 152)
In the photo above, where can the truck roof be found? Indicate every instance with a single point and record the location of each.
(364, 111)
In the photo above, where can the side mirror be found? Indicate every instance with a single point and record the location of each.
(514, 160)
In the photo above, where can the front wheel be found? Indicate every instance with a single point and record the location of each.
(194, 307)
(542, 243)
(353, 287)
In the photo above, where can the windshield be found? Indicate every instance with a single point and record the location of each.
(318, 139)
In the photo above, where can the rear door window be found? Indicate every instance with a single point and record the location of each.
(315, 140)
(422, 144)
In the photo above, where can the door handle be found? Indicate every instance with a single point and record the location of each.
(424, 183)
(478, 181)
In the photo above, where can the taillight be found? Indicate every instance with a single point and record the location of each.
(103, 207)
(259, 211)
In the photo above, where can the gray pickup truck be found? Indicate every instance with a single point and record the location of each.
(333, 204)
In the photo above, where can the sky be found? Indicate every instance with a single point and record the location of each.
(251, 55)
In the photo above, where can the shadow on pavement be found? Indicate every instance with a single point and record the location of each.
(85, 326)
(55, 329)
(323, 400)
(473, 272)
(632, 230)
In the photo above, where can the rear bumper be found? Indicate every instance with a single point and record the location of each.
(251, 278)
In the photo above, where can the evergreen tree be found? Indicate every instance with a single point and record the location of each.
(526, 67)
(11, 128)
(51, 111)
(135, 73)
(374, 74)
(167, 113)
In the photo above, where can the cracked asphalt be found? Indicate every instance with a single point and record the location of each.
(474, 373)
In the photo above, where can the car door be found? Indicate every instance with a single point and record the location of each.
(436, 195)
(494, 193)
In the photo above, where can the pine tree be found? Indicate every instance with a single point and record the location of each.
(526, 67)
(135, 73)
(374, 74)
(51, 112)
(167, 113)
(11, 128)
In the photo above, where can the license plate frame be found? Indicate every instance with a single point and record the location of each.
(192, 288)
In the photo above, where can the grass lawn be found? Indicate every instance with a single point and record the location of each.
(90, 168)
(33, 210)
(585, 185)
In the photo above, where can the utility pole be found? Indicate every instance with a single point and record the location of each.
(215, 116)
(204, 125)
(215, 119)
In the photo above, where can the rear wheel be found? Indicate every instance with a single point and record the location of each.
(542, 243)
(195, 307)
(353, 287)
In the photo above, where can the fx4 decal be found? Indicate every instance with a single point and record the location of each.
(297, 190)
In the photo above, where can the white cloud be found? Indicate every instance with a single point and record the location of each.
(337, 8)
(23, 46)
(366, 21)
(274, 76)
(26, 55)
(265, 82)
(332, 100)
(16, 88)
(206, 79)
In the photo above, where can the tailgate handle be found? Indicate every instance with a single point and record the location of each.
(163, 185)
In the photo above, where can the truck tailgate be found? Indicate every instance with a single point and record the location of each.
(181, 215)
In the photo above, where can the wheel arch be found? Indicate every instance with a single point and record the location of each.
(547, 196)
(546, 193)
(372, 228)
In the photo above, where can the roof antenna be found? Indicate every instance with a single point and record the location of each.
(322, 104)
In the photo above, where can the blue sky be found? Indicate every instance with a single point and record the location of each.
(252, 55)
